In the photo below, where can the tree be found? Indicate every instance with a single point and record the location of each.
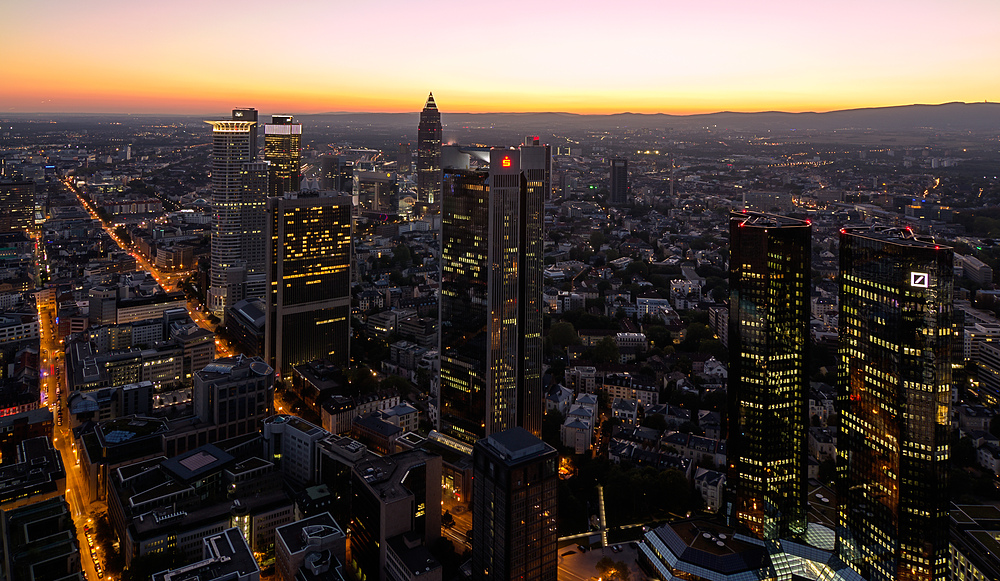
(995, 425)
(122, 233)
(655, 421)
(564, 334)
(401, 255)
(609, 569)
(552, 428)
(606, 351)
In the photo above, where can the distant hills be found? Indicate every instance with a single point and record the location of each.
(947, 116)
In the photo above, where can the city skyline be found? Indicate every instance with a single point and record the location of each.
(654, 58)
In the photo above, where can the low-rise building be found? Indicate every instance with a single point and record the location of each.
(225, 556)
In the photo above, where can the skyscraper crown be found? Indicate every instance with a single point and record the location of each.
(430, 104)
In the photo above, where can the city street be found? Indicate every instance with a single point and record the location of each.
(62, 440)
(168, 281)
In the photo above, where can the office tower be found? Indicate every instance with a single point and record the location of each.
(404, 159)
(234, 145)
(308, 301)
(620, 190)
(232, 394)
(514, 508)
(336, 174)
(253, 221)
(283, 149)
(429, 153)
(769, 279)
(395, 516)
(376, 192)
(894, 403)
(17, 205)
(491, 286)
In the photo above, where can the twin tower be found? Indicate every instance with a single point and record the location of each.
(894, 391)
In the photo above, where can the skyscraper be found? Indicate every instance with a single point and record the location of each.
(283, 149)
(404, 159)
(894, 403)
(17, 205)
(514, 508)
(237, 195)
(769, 315)
(491, 286)
(308, 301)
(429, 153)
(620, 190)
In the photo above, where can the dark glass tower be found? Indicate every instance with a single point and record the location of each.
(894, 404)
(283, 149)
(308, 299)
(769, 278)
(429, 153)
(491, 291)
(17, 205)
(620, 190)
(514, 508)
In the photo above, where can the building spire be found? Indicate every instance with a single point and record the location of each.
(430, 101)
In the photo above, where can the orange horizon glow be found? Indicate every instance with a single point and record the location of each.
(311, 56)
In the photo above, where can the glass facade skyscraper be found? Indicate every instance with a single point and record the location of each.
(238, 191)
(429, 153)
(491, 290)
(514, 508)
(769, 313)
(283, 149)
(620, 191)
(308, 300)
(894, 403)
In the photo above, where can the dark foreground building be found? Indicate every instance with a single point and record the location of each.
(769, 317)
(514, 508)
(491, 289)
(894, 403)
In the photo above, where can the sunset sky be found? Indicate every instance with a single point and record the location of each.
(670, 56)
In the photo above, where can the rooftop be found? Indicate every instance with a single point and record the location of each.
(517, 444)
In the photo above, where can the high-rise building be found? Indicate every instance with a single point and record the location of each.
(17, 205)
(429, 153)
(232, 395)
(238, 192)
(620, 190)
(255, 177)
(514, 508)
(894, 403)
(395, 516)
(376, 192)
(769, 281)
(308, 300)
(283, 149)
(491, 290)
(337, 174)
(404, 159)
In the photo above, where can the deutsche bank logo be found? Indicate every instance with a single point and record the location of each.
(919, 279)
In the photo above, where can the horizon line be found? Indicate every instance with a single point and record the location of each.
(417, 112)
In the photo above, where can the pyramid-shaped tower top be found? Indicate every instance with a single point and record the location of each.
(430, 102)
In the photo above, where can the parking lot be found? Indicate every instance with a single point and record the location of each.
(576, 566)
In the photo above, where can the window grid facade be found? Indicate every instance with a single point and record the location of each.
(768, 341)
(894, 404)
